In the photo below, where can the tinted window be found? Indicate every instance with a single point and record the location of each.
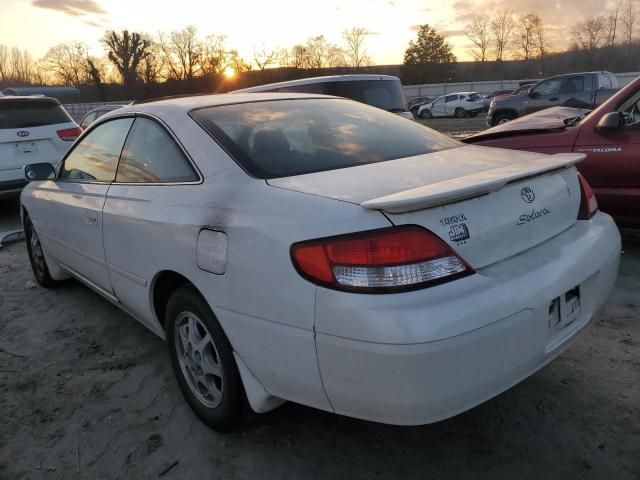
(95, 158)
(605, 81)
(294, 137)
(308, 88)
(451, 98)
(151, 156)
(385, 94)
(573, 85)
(550, 87)
(31, 113)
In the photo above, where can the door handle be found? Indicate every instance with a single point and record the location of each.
(92, 217)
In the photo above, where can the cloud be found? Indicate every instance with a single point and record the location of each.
(74, 8)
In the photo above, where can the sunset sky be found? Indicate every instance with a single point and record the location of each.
(40, 24)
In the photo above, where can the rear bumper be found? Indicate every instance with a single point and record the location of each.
(431, 354)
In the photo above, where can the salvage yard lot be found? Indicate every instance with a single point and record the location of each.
(87, 392)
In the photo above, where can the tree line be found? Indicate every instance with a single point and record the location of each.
(135, 58)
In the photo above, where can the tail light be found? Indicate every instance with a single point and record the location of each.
(69, 134)
(391, 259)
(588, 202)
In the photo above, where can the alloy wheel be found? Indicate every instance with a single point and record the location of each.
(199, 359)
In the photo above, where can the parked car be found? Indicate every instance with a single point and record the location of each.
(32, 129)
(459, 105)
(416, 103)
(92, 115)
(486, 99)
(609, 136)
(579, 90)
(318, 250)
(382, 91)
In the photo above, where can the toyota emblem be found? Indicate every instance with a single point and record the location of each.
(527, 195)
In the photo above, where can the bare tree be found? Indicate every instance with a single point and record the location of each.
(182, 52)
(126, 50)
(237, 62)
(501, 30)
(478, 33)
(298, 57)
(152, 65)
(67, 63)
(335, 56)
(22, 65)
(612, 22)
(5, 66)
(541, 41)
(263, 56)
(355, 50)
(316, 50)
(214, 54)
(525, 37)
(629, 19)
(590, 33)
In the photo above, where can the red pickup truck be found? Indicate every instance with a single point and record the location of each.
(608, 135)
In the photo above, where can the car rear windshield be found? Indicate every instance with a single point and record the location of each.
(31, 113)
(293, 137)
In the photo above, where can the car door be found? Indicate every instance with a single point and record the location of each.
(69, 209)
(146, 214)
(575, 93)
(438, 108)
(451, 103)
(544, 95)
(612, 166)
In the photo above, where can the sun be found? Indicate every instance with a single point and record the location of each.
(229, 72)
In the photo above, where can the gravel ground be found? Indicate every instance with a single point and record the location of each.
(457, 127)
(87, 392)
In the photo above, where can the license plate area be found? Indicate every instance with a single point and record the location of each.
(26, 148)
(565, 309)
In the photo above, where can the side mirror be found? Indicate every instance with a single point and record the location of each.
(39, 171)
(610, 121)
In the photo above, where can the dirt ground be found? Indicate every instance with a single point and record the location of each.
(87, 392)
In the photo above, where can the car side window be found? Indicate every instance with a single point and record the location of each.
(439, 101)
(95, 157)
(151, 156)
(86, 121)
(451, 98)
(550, 87)
(573, 85)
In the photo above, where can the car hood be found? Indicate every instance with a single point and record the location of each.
(542, 121)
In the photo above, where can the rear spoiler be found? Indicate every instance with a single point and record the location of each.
(464, 188)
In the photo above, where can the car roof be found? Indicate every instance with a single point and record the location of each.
(193, 102)
(28, 98)
(311, 80)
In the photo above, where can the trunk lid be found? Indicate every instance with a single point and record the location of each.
(488, 204)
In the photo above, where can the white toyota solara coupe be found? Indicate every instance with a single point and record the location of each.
(318, 250)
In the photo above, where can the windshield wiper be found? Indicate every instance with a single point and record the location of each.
(571, 122)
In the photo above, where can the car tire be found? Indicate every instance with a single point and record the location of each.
(426, 114)
(501, 118)
(203, 362)
(460, 112)
(36, 256)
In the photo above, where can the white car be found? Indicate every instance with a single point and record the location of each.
(318, 250)
(32, 130)
(459, 105)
